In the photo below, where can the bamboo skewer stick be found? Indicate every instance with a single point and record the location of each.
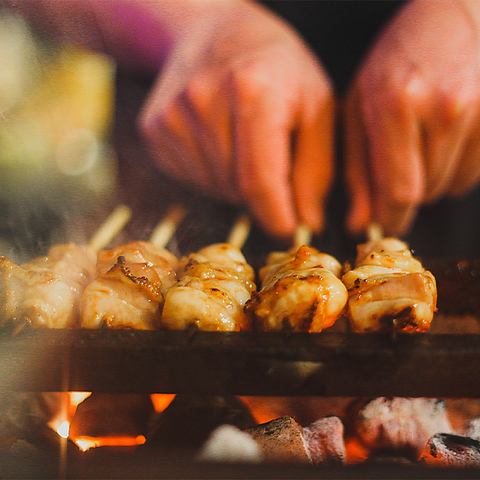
(239, 233)
(374, 232)
(303, 236)
(166, 228)
(110, 228)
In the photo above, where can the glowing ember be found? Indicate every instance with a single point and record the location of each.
(76, 398)
(86, 443)
(64, 429)
(71, 400)
(161, 401)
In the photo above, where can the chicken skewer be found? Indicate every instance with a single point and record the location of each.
(389, 288)
(132, 281)
(300, 291)
(214, 285)
(45, 291)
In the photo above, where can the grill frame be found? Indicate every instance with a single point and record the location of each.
(247, 363)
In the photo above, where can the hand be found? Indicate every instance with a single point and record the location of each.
(412, 115)
(243, 110)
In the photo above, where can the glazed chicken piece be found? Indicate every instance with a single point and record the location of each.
(130, 287)
(45, 291)
(215, 284)
(389, 288)
(300, 291)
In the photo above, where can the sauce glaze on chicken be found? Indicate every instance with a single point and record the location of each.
(389, 289)
(300, 291)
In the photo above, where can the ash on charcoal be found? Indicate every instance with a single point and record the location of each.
(281, 440)
(324, 439)
(229, 444)
(451, 451)
(400, 424)
(102, 415)
(189, 420)
(284, 440)
(473, 429)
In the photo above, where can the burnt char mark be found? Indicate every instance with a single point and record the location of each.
(398, 322)
(309, 316)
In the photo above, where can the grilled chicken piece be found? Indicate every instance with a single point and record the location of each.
(389, 288)
(301, 291)
(45, 292)
(215, 283)
(130, 287)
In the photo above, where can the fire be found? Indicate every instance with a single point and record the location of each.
(161, 401)
(71, 400)
(86, 443)
(63, 429)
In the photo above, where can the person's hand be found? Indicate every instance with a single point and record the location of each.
(412, 114)
(243, 110)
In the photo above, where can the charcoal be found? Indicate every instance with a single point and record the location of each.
(400, 424)
(281, 440)
(324, 440)
(448, 450)
(102, 415)
(473, 429)
(190, 419)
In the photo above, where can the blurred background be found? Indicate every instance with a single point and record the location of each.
(56, 161)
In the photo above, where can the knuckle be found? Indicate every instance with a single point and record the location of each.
(147, 124)
(454, 103)
(249, 79)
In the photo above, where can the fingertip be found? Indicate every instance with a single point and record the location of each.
(282, 229)
(359, 215)
(313, 216)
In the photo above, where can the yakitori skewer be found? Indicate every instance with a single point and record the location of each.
(214, 285)
(388, 288)
(45, 291)
(300, 291)
(132, 281)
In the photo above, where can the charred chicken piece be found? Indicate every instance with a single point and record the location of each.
(215, 284)
(45, 291)
(130, 287)
(389, 288)
(300, 291)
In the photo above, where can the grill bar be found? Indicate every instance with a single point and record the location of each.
(328, 364)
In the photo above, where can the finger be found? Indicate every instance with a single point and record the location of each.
(313, 160)
(170, 125)
(356, 167)
(395, 155)
(210, 111)
(262, 144)
(163, 148)
(444, 142)
(467, 175)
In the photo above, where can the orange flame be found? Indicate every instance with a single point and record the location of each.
(161, 401)
(61, 423)
(85, 443)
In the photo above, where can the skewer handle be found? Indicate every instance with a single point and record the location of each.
(303, 236)
(166, 228)
(374, 232)
(239, 232)
(110, 228)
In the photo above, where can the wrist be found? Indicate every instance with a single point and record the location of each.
(145, 32)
